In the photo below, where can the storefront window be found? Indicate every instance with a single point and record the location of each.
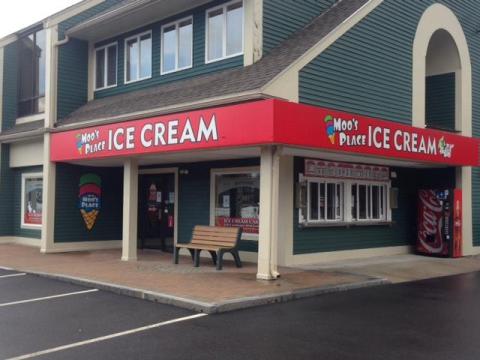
(326, 199)
(370, 202)
(32, 187)
(344, 193)
(237, 198)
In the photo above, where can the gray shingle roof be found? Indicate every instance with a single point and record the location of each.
(227, 82)
(23, 128)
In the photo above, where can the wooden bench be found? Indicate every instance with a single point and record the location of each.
(214, 239)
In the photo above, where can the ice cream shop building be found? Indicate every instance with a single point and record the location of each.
(325, 129)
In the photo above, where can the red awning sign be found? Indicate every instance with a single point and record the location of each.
(266, 122)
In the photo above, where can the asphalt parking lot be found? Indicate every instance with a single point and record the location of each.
(432, 319)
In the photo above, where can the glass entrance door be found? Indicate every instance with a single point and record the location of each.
(156, 211)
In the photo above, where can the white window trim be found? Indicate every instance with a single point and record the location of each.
(177, 27)
(105, 79)
(137, 36)
(347, 220)
(30, 118)
(229, 171)
(26, 176)
(224, 32)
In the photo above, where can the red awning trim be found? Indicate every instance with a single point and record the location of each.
(266, 122)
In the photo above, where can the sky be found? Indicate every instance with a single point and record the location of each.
(17, 14)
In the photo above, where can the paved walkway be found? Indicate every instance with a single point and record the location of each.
(155, 277)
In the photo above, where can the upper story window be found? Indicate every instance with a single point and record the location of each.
(177, 46)
(138, 57)
(31, 74)
(106, 66)
(224, 31)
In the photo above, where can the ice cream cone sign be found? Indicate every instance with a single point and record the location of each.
(89, 199)
(330, 128)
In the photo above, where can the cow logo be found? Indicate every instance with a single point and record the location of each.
(330, 128)
(89, 198)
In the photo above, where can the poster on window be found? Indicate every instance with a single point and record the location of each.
(33, 201)
(89, 199)
(237, 201)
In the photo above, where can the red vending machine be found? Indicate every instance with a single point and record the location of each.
(440, 222)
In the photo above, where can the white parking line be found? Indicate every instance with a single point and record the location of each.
(12, 275)
(5, 268)
(47, 297)
(106, 337)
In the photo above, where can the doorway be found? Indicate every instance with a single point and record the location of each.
(157, 211)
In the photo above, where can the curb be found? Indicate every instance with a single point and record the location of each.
(210, 308)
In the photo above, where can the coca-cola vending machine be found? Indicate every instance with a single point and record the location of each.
(440, 222)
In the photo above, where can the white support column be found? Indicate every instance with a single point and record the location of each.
(48, 209)
(130, 210)
(47, 242)
(268, 232)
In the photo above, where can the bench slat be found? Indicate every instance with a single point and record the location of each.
(217, 229)
(210, 243)
(215, 234)
(213, 238)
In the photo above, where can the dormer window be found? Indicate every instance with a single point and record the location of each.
(224, 31)
(31, 74)
(106, 66)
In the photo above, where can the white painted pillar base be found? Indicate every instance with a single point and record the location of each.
(130, 210)
(268, 232)
(48, 198)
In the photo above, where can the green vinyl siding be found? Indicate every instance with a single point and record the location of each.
(199, 66)
(440, 101)
(401, 232)
(10, 62)
(282, 18)
(17, 203)
(69, 223)
(72, 83)
(72, 77)
(6, 192)
(369, 69)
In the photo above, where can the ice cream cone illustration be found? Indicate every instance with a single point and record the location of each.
(90, 198)
(330, 128)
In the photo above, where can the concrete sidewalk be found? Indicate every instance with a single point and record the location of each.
(402, 268)
(155, 277)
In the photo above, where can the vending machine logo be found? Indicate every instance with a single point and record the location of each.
(431, 223)
(89, 199)
(330, 128)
